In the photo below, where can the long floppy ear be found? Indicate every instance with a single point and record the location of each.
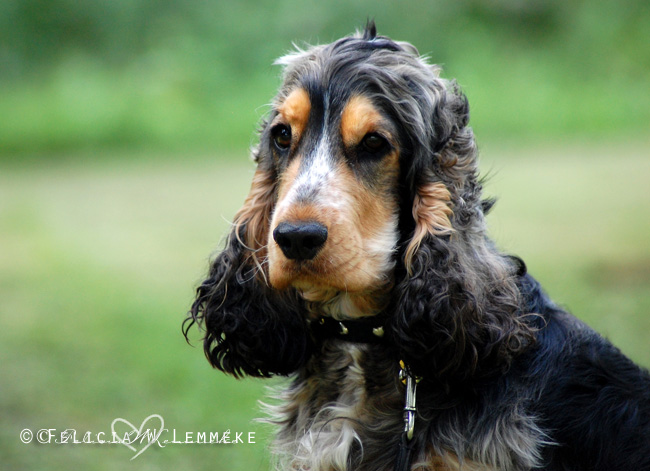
(457, 311)
(251, 329)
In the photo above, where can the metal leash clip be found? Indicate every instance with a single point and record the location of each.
(409, 407)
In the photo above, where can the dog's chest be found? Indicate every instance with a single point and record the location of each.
(343, 412)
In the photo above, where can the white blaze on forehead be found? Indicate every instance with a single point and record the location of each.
(313, 185)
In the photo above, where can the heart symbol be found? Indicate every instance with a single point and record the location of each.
(137, 432)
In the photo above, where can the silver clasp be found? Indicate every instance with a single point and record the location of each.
(409, 405)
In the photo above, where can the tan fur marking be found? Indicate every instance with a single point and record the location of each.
(288, 177)
(447, 461)
(295, 111)
(432, 214)
(351, 229)
(256, 215)
(352, 271)
(359, 118)
(281, 271)
(450, 462)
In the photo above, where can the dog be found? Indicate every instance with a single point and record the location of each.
(359, 266)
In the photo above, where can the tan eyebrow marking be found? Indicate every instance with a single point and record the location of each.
(359, 118)
(295, 111)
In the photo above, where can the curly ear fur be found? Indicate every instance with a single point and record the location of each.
(458, 308)
(431, 213)
(250, 328)
(253, 219)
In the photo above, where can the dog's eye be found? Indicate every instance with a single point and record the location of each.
(281, 136)
(374, 143)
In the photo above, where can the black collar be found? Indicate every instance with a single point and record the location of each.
(363, 330)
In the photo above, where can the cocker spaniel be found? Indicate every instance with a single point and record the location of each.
(359, 266)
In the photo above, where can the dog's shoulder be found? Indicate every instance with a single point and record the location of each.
(592, 400)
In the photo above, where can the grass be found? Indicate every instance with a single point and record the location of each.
(99, 259)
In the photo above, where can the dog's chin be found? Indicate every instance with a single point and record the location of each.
(340, 298)
(285, 274)
(305, 278)
(310, 276)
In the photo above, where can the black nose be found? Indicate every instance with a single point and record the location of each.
(300, 241)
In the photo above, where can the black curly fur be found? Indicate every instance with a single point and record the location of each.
(250, 328)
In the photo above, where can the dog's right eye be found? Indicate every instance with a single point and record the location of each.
(281, 135)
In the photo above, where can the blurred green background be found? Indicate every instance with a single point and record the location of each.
(124, 136)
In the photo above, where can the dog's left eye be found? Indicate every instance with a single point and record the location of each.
(374, 143)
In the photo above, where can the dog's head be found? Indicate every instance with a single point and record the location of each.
(365, 201)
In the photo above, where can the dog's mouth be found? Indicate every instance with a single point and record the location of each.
(334, 292)
(336, 271)
(331, 254)
(298, 254)
(316, 266)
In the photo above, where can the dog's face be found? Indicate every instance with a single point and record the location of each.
(334, 224)
(345, 165)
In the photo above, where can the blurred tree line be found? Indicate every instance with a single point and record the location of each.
(195, 74)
